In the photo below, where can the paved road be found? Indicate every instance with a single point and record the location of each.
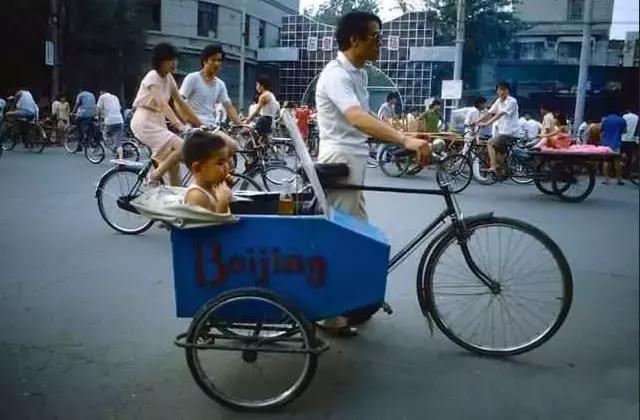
(87, 315)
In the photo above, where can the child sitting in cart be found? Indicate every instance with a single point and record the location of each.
(558, 138)
(206, 156)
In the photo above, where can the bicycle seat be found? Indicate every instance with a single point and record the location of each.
(329, 173)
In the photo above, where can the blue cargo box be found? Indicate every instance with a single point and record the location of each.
(324, 266)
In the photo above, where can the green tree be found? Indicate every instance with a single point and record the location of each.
(331, 11)
(489, 29)
(103, 42)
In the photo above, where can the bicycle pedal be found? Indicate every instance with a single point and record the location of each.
(386, 308)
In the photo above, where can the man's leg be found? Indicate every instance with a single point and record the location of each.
(605, 170)
(492, 154)
(619, 170)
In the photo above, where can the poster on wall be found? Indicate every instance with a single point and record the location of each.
(327, 43)
(312, 43)
(394, 42)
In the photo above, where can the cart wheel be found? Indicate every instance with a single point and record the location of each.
(269, 350)
(573, 181)
(543, 177)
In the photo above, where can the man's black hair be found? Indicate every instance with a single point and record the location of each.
(503, 84)
(479, 101)
(209, 51)
(264, 82)
(354, 25)
(434, 103)
(200, 145)
(391, 96)
(163, 52)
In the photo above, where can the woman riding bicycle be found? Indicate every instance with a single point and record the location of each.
(152, 110)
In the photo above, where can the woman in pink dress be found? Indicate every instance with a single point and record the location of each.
(152, 109)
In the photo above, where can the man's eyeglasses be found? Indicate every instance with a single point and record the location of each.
(376, 37)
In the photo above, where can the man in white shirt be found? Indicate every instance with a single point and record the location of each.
(202, 90)
(629, 144)
(25, 106)
(530, 128)
(342, 101)
(504, 112)
(387, 111)
(109, 109)
(471, 120)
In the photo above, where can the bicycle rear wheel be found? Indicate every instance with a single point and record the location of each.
(479, 170)
(519, 170)
(531, 303)
(72, 140)
(115, 190)
(94, 151)
(277, 178)
(35, 139)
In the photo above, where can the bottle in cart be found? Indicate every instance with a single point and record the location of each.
(285, 205)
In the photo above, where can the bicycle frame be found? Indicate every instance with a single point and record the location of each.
(457, 222)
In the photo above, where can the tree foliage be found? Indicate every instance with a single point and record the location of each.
(490, 26)
(331, 11)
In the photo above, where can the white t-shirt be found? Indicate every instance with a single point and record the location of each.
(272, 108)
(221, 113)
(530, 128)
(203, 97)
(341, 86)
(632, 123)
(508, 124)
(472, 116)
(386, 111)
(548, 122)
(110, 109)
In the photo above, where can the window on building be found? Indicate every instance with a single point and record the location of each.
(569, 50)
(575, 10)
(531, 50)
(207, 20)
(247, 29)
(262, 30)
(150, 12)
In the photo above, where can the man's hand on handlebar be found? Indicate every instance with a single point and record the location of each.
(421, 147)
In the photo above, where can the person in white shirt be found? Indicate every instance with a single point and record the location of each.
(60, 112)
(530, 128)
(345, 122)
(109, 109)
(342, 101)
(25, 106)
(471, 120)
(267, 109)
(629, 144)
(387, 111)
(504, 112)
(203, 90)
(221, 114)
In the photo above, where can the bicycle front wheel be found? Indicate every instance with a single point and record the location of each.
(72, 140)
(115, 190)
(455, 171)
(529, 306)
(394, 161)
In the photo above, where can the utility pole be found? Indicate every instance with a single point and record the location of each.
(243, 39)
(585, 59)
(55, 39)
(457, 65)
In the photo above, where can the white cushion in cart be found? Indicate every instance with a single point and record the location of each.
(167, 204)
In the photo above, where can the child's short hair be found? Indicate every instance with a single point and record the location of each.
(200, 145)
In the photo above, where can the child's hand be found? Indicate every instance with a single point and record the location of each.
(223, 193)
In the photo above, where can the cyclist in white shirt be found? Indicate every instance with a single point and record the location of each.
(530, 128)
(203, 90)
(504, 112)
(109, 109)
(267, 110)
(471, 119)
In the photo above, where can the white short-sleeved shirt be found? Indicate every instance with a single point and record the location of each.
(472, 116)
(548, 122)
(508, 124)
(386, 111)
(530, 128)
(203, 97)
(110, 108)
(341, 86)
(632, 123)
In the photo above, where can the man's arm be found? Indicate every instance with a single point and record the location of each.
(261, 102)
(75, 107)
(232, 113)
